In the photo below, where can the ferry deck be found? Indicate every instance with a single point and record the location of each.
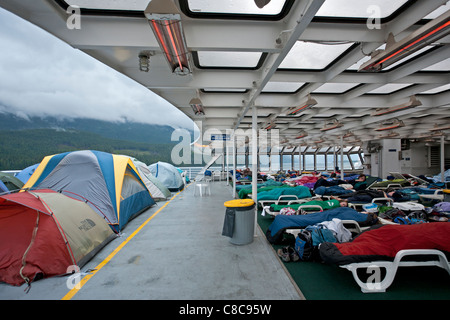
(356, 81)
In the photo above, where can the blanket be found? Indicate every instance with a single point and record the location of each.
(325, 205)
(384, 242)
(299, 191)
(282, 222)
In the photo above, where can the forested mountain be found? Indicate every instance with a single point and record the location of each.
(22, 148)
(24, 143)
(132, 131)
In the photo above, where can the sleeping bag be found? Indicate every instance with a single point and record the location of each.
(282, 222)
(299, 191)
(384, 242)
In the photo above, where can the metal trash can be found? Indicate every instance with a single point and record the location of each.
(239, 222)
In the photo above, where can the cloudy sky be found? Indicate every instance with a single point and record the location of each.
(41, 75)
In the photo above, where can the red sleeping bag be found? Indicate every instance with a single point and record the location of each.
(384, 242)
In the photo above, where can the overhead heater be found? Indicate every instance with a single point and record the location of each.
(331, 125)
(197, 106)
(310, 102)
(165, 21)
(413, 102)
(395, 51)
(390, 124)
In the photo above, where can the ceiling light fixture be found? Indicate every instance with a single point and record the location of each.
(197, 106)
(165, 21)
(413, 102)
(395, 51)
(144, 61)
(310, 102)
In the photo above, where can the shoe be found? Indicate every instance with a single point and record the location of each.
(438, 219)
(293, 255)
(284, 254)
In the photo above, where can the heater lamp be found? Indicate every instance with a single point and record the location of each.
(310, 102)
(395, 51)
(165, 20)
(413, 102)
(391, 125)
(197, 106)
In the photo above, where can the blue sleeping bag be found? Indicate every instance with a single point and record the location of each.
(282, 222)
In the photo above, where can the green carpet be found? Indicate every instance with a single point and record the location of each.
(319, 281)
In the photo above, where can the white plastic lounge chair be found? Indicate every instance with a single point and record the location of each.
(374, 284)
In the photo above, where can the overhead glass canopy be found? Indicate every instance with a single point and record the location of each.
(359, 9)
(311, 55)
(335, 87)
(437, 90)
(134, 5)
(228, 59)
(440, 66)
(389, 88)
(274, 7)
(436, 13)
(287, 87)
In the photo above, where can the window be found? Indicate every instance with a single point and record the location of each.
(359, 9)
(135, 5)
(220, 59)
(285, 87)
(312, 55)
(335, 87)
(389, 88)
(235, 9)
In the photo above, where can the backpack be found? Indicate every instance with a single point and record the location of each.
(304, 245)
(320, 234)
(308, 240)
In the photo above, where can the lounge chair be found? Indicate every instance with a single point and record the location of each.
(385, 247)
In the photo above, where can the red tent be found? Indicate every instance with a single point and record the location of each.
(43, 233)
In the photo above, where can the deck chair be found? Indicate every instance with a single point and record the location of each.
(283, 199)
(382, 201)
(373, 285)
(390, 247)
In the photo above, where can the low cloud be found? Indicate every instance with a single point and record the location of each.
(42, 76)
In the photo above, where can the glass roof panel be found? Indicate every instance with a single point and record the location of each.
(436, 13)
(389, 88)
(333, 87)
(440, 66)
(135, 5)
(437, 90)
(311, 55)
(359, 9)
(224, 90)
(288, 87)
(382, 47)
(274, 7)
(229, 59)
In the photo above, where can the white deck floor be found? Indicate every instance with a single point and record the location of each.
(180, 253)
